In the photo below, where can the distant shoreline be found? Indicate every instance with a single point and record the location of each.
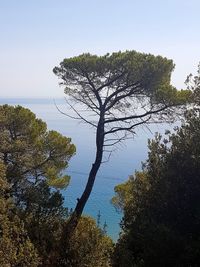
(30, 100)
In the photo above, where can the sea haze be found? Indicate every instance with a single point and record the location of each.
(123, 162)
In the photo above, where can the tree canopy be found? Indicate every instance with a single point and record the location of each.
(32, 216)
(121, 83)
(120, 91)
(32, 154)
(161, 204)
(35, 161)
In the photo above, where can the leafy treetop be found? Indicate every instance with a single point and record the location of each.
(30, 152)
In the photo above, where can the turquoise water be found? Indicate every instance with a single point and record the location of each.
(123, 162)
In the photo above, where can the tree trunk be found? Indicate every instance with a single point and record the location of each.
(81, 202)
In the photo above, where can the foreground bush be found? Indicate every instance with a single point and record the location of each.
(161, 204)
(16, 248)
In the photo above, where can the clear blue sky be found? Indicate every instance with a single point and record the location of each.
(35, 35)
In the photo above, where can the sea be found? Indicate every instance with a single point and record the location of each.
(123, 162)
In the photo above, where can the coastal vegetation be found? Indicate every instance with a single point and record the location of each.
(32, 215)
(159, 204)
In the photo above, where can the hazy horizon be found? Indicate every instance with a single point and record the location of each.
(37, 35)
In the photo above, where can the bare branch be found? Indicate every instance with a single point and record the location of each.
(105, 161)
(117, 129)
(111, 81)
(94, 90)
(115, 141)
(120, 90)
(80, 117)
(86, 92)
(71, 117)
(124, 96)
(83, 100)
(136, 116)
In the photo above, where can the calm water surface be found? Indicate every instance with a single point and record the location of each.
(122, 163)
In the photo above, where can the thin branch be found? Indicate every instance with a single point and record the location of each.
(116, 141)
(110, 82)
(85, 91)
(72, 117)
(117, 129)
(115, 93)
(94, 90)
(136, 116)
(79, 115)
(85, 102)
(105, 161)
(132, 91)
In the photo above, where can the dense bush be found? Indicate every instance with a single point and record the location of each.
(161, 204)
(32, 215)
